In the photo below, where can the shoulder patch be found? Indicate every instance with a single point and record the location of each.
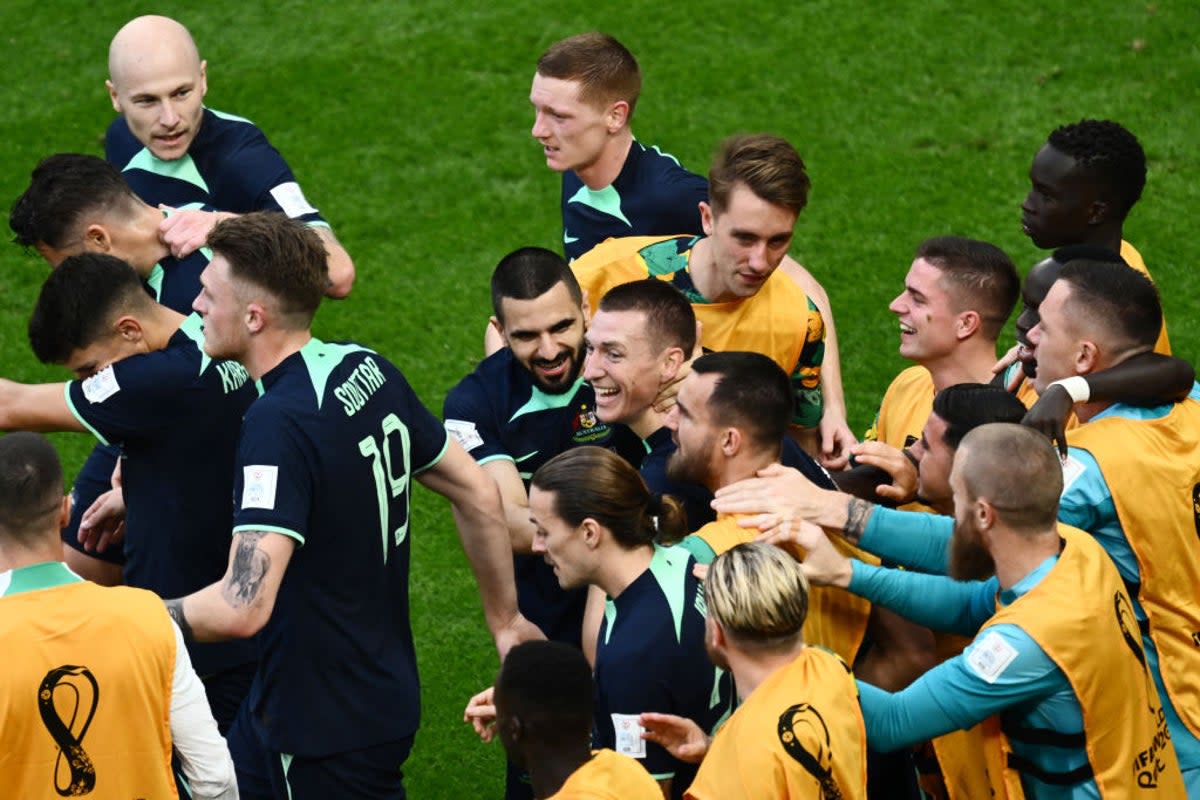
(990, 656)
(101, 386)
(258, 485)
(291, 199)
(465, 433)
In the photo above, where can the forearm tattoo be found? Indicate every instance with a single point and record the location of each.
(250, 567)
(175, 609)
(858, 512)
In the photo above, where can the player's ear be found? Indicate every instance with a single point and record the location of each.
(673, 360)
(618, 116)
(966, 324)
(591, 530)
(256, 317)
(112, 95)
(128, 328)
(1099, 211)
(585, 307)
(203, 78)
(1087, 357)
(496, 325)
(706, 218)
(97, 239)
(731, 442)
(64, 513)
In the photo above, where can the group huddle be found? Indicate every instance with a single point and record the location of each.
(995, 594)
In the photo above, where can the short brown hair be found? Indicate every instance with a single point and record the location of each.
(977, 275)
(605, 69)
(767, 165)
(281, 255)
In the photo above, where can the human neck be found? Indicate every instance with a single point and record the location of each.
(143, 242)
(1018, 554)
(742, 465)
(970, 362)
(159, 325)
(605, 169)
(701, 271)
(268, 349)
(1109, 236)
(620, 567)
(14, 555)
(646, 423)
(551, 766)
(749, 672)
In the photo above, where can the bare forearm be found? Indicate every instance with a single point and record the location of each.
(485, 541)
(1143, 380)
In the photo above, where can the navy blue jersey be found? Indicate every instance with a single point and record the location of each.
(650, 656)
(175, 414)
(230, 166)
(175, 282)
(652, 196)
(696, 499)
(497, 412)
(327, 457)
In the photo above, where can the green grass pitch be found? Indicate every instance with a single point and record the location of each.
(408, 125)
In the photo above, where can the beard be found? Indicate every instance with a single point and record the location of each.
(969, 559)
(690, 467)
(567, 380)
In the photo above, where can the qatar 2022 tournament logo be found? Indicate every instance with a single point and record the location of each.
(67, 701)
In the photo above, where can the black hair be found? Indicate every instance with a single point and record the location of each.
(966, 406)
(529, 273)
(62, 189)
(1109, 154)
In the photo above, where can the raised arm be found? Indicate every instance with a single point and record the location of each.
(40, 407)
(516, 503)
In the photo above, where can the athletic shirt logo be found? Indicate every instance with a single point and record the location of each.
(587, 428)
(802, 721)
(79, 688)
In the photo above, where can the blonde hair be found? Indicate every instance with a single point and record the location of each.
(758, 594)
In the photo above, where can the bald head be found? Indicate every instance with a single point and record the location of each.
(157, 80)
(1016, 469)
(149, 42)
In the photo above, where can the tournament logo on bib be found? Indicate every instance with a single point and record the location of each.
(805, 737)
(67, 699)
(587, 427)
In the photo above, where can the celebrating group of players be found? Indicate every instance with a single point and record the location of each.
(651, 468)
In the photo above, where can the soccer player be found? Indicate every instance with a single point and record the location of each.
(319, 563)
(798, 730)
(176, 152)
(1084, 181)
(1054, 632)
(81, 204)
(757, 188)
(523, 405)
(1132, 475)
(597, 524)
(583, 95)
(97, 685)
(541, 708)
(1147, 379)
(957, 295)
(144, 385)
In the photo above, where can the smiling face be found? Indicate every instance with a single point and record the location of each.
(621, 365)
(1060, 208)
(545, 335)
(749, 239)
(927, 314)
(560, 544)
(573, 133)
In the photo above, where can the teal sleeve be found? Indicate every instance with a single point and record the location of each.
(913, 539)
(966, 689)
(935, 601)
(700, 549)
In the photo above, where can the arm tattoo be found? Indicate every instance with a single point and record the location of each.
(250, 567)
(175, 609)
(858, 512)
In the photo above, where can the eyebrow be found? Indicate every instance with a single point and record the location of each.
(560, 325)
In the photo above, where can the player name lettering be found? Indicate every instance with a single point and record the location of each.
(233, 376)
(363, 382)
